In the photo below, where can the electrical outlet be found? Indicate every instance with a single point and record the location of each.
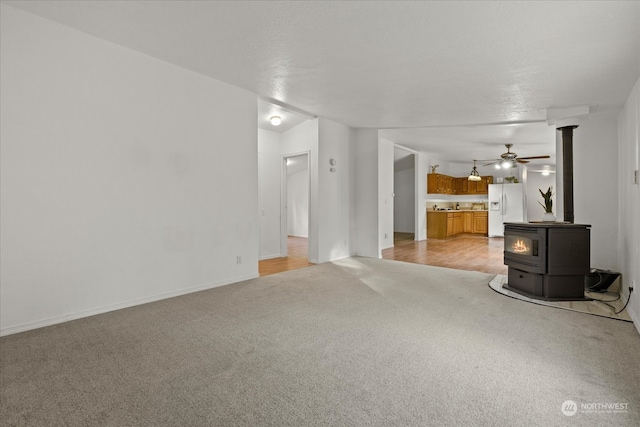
(633, 283)
(386, 235)
(635, 176)
(238, 259)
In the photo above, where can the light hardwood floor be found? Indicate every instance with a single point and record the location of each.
(463, 252)
(298, 251)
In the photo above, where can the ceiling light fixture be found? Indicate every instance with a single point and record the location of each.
(506, 164)
(474, 175)
(276, 120)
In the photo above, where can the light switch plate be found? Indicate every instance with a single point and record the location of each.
(635, 176)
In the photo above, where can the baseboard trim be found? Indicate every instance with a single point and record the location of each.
(634, 316)
(118, 306)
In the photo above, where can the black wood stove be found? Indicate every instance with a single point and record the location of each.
(547, 260)
(550, 260)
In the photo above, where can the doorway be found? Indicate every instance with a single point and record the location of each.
(404, 192)
(294, 228)
(294, 216)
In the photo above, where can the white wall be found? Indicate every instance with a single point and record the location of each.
(443, 165)
(298, 200)
(366, 192)
(335, 196)
(629, 200)
(124, 179)
(595, 160)
(331, 194)
(404, 215)
(385, 193)
(460, 169)
(421, 201)
(535, 182)
(300, 140)
(269, 171)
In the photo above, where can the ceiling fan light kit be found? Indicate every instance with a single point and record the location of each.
(510, 160)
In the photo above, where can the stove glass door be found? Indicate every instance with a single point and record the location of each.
(520, 245)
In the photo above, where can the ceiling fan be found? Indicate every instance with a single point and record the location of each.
(509, 159)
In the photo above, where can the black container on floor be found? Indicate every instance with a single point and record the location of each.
(599, 280)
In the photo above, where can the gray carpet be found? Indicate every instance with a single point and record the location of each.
(351, 343)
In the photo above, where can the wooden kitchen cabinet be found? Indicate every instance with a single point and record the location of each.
(443, 224)
(458, 225)
(432, 183)
(481, 222)
(437, 225)
(438, 183)
(446, 184)
(450, 225)
(440, 224)
(463, 185)
(468, 222)
(482, 186)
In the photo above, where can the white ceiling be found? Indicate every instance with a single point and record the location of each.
(394, 65)
(290, 118)
(481, 142)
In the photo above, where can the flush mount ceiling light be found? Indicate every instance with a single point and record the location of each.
(276, 120)
(474, 175)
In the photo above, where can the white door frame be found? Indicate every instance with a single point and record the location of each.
(416, 200)
(284, 249)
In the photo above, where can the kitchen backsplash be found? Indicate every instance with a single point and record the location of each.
(467, 205)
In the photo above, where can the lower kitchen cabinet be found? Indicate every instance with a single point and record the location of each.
(443, 224)
(468, 222)
(458, 226)
(481, 223)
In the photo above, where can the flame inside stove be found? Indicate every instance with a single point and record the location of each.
(520, 247)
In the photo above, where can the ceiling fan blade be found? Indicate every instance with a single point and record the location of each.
(533, 157)
(522, 161)
(493, 162)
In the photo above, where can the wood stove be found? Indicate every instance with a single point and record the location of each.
(547, 261)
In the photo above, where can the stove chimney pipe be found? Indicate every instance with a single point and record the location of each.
(567, 172)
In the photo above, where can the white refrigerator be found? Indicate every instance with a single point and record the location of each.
(506, 204)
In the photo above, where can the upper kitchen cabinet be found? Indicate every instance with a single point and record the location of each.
(482, 186)
(463, 185)
(477, 187)
(438, 183)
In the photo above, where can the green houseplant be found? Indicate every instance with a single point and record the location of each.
(548, 205)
